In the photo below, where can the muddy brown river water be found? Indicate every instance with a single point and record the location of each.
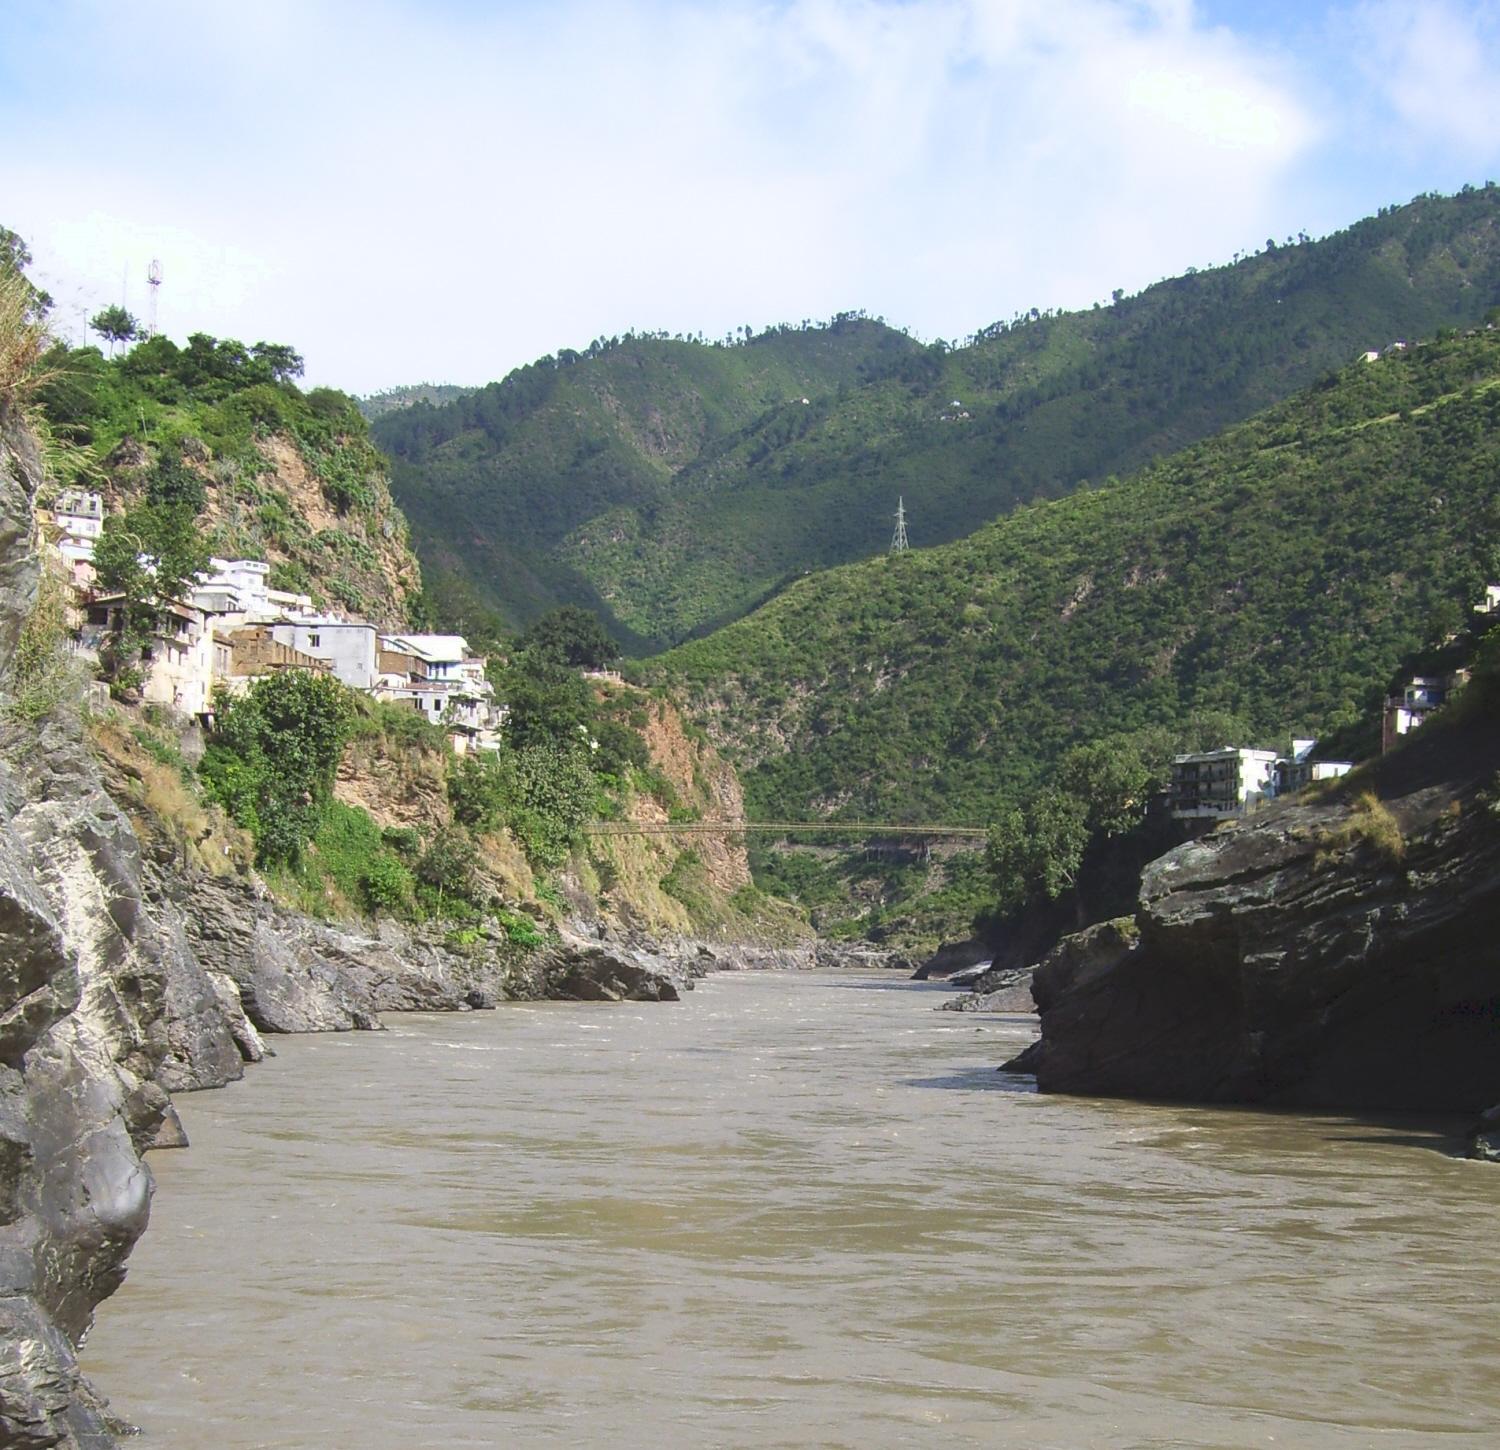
(789, 1211)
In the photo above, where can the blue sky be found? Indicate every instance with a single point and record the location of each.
(411, 191)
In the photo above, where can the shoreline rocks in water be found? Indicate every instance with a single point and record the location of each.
(1484, 1137)
(1006, 989)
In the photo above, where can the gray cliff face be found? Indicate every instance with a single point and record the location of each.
(1296, 961)
(86, 971)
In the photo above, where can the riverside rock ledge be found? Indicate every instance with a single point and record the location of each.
(1303, 959)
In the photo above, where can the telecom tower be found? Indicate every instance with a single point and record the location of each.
(898, 541)
(153, 280)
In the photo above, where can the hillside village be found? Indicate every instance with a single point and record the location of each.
(233, 627)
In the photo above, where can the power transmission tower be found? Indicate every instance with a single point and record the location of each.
(898, 541)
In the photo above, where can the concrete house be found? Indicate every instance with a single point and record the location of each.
(77, 517)
(1419, 697)
(1300, 769)
(78, 513)
(177, 663)
(245, 654)
(241, 586)
(349, 645)
(1218, 784)
(445, 683)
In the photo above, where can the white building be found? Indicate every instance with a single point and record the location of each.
(78, 513)
(1217, 784)
(1300, 770)
(445, 683)
(78, 517)
(446, 656)
(177, 662)
(1419, 697)
(1490, 604)
(242, 586)
(349, 645)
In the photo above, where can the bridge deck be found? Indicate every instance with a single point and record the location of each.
(808, 828)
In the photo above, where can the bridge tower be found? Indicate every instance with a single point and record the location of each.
(898, 541)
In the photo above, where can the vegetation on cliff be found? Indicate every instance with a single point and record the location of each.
(674, 485)
(266, 470)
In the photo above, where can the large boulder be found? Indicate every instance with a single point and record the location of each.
(581, 972)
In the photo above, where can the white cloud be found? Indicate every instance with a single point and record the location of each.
(410, 191)
(1437, 68)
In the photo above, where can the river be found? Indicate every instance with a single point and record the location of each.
(794, 1211)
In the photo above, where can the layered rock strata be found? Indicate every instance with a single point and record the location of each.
(1344, 954)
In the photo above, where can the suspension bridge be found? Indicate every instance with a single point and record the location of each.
(784, 828)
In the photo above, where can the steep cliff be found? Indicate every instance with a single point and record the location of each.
(90, 976)
(1344, 952)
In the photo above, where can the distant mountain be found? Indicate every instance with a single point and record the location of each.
(392, 400)
(512, 487)
(1279, 572)
(674, 485)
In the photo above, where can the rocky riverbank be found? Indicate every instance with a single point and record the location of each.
(127, 974)
(1340, 953)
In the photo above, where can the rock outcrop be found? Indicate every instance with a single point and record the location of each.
(1000, 990)
(89, 976)
(950, 958)
(1344, 953)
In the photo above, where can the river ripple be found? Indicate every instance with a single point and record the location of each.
(788, 1211)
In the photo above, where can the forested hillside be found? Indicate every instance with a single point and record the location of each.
(1279, 572)
(507, 486)
(673, 485)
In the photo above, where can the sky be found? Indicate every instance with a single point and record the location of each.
(442, 190)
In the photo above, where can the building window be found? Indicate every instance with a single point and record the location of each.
(314, 640)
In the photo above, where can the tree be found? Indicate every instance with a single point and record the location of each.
(481, 788)
(1037, 851)
(1112, 780)
(571, 636)
(449, 865)
(282, 361)
(15, 258)
(273, 754)
(548, 704)
(116, 325)
(557, 791)
(172, 483)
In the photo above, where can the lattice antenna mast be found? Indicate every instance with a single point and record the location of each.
(153, 280)
(898, 539)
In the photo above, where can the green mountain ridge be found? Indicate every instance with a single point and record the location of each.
(674, 485)
(509, 487)
(1279, 572)
(392, 400)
